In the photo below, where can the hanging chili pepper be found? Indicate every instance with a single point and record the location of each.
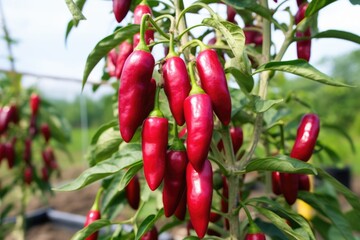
(154, 144)
(199, 196)
(132, 192)
(28, 174)
(93, 215)
(199, 123)
(120, 9)
(180, 211)
(27, 150)
(125, 49)
(10, 154)
(33, 128)
(276, 183)
(151, 235)
(45, 130)
(45, 174)
(254, 233)
(111, 62)
(34, 103)
(304, 182)
(213, 81)
(231, 13)
(303, 47)
(289, 186)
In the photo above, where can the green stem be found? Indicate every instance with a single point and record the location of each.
(195, 89)
(234, 220)
(229, 152)
(251, 221)
(157, 112)
(96, 205)
(172, 52)
(158, 29)
(183, 33)
(192, 42)
(142, 43)
(181, 25)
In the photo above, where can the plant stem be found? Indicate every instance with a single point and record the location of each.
(179, 6)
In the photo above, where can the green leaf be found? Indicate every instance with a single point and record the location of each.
(280, 223)
(102, 129)
(125, 158)
(301, 68)
(147, 224)
(105, 45)
(280, 163)
(260, 105)
(74, 23)
(130, 173)
(111, 190)
(322, 203)
(236, 68)
(338, 34)
(315, 6)
(342, 132)
(353, 218)
(251, 6)
(355, 2)
(75, 11)
(325, 229)
(91, 228)
(349, 195)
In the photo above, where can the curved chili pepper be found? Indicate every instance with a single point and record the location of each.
(174, 179)
(199, 196)
(180, 211)
(125, 49)
(176, 86)
(276, 183)
(135, 82)
(94, 214)
(304, 182)
(213, 81)
(27, 151)
(34, 103)
(151, 235)
(132, 192)
(120, 9)
(10, 154)
(28, 174)
(306, 137)
(45, 130)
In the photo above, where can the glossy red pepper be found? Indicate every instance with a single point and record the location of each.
(28, 174)
(176, 86)
(27, 151)
(34, 103)
(237, 138)
(154, 144)
(93, 215)
(304, 182)
(111, 62)
(45, 131)
(125, 49)
(120, 9)
(10, 154)
(303, 47)
(151, 235)
(174, 179)
(255, 236)
(306, 137)
(253, 36)
(135, 82)
(213, 81)
(149, 37)
(132, 192)
(199, 196)
(276, 183)
(289, 186)
(139, 11)
(180, 211)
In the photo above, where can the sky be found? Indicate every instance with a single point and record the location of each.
(39, 28)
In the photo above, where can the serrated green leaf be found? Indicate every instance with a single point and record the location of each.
(260, 105)
(350, 196)
(147, 224)
(321, 203)
(338, 34)
(102, 129)
(315, 6)
(93, 227)
(130, 173)
(75, 10)
(279, 222)
(280, 163)
(301, 68)
(105, 45)
(127, 157)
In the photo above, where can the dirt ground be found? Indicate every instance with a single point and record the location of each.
(79, 202)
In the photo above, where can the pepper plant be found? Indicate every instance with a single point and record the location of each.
(193, 154)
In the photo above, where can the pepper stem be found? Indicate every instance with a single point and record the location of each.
(142, 43)
(251, 222)
(195, 89)
(177, 143)
(96, 205)
(172, 52)
(156, 112)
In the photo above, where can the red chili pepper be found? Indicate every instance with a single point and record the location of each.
(151, 235)
(132, 192)
(14, 114)
(276, 183)
(2, 152)
(214, 217)
(28, 174)
(213, 81)
(120, 9)
(176, 86)
(304, 182)
(5, 119)
(254, 233)
(49, 158)
(154, 144)
(34, 103)
(289, 186)
(199, 196)
(125, 49)
(149, 37)
(93, 215)
(306, 137)
(27, 151)
(135, 82)
(253, 36)
(111, 62)
(45, 174)
(174, 179)
(237, 138)
(139, 11)
(10, 154)
(231, 13)
(180, 211)
(33, 129)
(45, 130)
(303, 47)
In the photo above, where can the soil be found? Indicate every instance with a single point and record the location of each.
(79, 202)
